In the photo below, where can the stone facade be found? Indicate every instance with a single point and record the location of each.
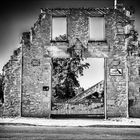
(12, 85)
(36, 75)
(27, 90)
(1, 90)
(134, 86)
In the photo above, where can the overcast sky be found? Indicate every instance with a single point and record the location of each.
(19, 16)
(92, 75)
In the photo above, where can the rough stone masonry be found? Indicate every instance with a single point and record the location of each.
(27, 75)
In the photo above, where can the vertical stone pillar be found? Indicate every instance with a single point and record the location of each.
(117, 95)
(116, 88)
(36, 95)
(134, 86)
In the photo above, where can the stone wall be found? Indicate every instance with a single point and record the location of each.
(116, 84)
(113, 48)
(1, 89)
(134, 86)
(38, 46)
(77, 27)
(38, 49)
(12, 85)
(116, 89)
(36, 77)
(1, 95)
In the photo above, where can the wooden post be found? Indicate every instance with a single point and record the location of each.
(127, 85)
(105, 87)
(50, 89)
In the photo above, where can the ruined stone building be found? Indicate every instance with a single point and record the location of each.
(28, 74)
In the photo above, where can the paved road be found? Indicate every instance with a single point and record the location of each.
(73, 133)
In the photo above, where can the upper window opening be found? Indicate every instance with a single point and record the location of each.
(59, 29)
(97, 28)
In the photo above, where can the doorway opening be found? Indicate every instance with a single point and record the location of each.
(78, 88)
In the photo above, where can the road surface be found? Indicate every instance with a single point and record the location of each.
(73, 133)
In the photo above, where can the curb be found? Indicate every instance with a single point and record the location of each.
(115, 126)
(103, 126)
(17, 124)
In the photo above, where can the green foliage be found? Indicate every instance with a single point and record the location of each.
(65, 74)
